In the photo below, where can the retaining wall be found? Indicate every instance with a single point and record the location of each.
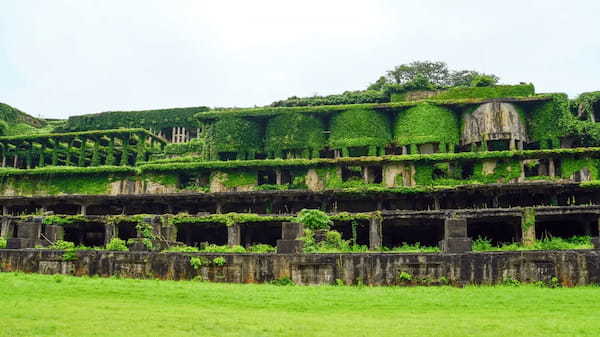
(579, 267)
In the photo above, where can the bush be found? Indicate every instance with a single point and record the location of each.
(219, 261)
(283, 281)
(2, 243)
(314, 219)
(117, 244)
(482, 244)
(62, 245)
(348, 97)
(261, 248)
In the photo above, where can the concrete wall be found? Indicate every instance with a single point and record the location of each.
(570, 267)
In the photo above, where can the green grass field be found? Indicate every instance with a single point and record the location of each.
(38, 305)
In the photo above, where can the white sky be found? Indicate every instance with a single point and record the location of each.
(66, 57)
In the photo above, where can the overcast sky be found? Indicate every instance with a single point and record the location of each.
(60, 58)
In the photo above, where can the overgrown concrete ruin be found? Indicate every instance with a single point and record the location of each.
(437, 172)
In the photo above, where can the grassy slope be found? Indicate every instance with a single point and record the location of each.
(37, 305)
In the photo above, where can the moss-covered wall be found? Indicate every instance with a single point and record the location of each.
(427, 123)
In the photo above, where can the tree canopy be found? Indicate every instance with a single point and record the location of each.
(430, 75)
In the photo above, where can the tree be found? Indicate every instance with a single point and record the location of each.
(431, 75)
(3, 128)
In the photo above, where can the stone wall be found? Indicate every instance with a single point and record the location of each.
(571, 268)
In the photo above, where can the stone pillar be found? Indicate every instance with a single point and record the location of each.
(596, 240)
(234, 235)
(110, 232)
(278, 178)
(375, 232)
(83, 210)
(28, 234)
(5, 211)
(551, 168)
(455, 236)
(528, 227)
(53, 233)
(6, 229)
(291, 232)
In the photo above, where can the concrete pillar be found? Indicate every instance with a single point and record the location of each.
(28, 234)
(291, 232)
(6, 228)
(83, 210)
(375, 232)
(404, 150)
(551, 168)
(512, 144)
(110, 232)
(455, 236)
(53, 233)
(234, 235)
(596, 240)
(528, 227)
(5, 211)
(278, 178)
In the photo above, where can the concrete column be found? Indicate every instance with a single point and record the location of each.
(6, 229)
(278, 178)
(5, 211)
(234, 235)
(83, 210)
(110, 232)
(596, 240)
(375, 232)
(551, 168)
(527, 228)
(291, 232)
(455, 236)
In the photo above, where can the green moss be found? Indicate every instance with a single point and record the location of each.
(38, 185)
(496, 91)
(426, 123)
(294, 132)
(330, 177)
(165, 179)
(359, 127)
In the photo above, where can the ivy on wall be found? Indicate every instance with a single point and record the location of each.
(496, 91)
(294, 132)
(551, 120)
(147, 119)
(426, 123)
(360, 127)
(239, 135)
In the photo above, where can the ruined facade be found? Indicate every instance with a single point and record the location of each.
(432, 172)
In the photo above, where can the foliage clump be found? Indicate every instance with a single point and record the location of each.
(314, 219)
(426, 123)
(2, 243)
(233, 134)
(294, 131)
(117, 244)
(359, 127)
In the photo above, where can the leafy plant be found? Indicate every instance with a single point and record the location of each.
(404, 277)
(283, 281)
(62, 245)
(2, 243)
(314, 219)
(197, 262)
(116, 244)
(219, 261)
(510, 282)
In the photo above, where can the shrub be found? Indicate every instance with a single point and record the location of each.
(405, 277)
(283, 281)
(482, 244)
(117, 244)
(314, 219)
(2, 243)
(261, 248)
(62, 245)
(219, 261)
(197, 262)
(510, 282)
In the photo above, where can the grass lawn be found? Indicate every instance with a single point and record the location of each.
(40, 305)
